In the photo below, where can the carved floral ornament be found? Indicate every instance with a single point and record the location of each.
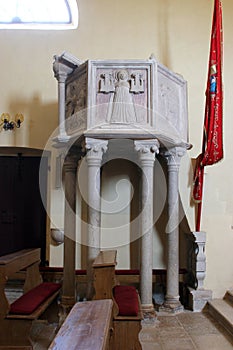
(146, 147)
(95, 148)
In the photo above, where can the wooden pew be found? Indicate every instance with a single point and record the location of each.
(88, 326)
(16, 319)
(126, 328)
(104, 274)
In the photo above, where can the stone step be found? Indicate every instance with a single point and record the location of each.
(222, 311)
(229, 297)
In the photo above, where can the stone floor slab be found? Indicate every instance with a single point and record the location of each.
(213, 342)
(178, 344)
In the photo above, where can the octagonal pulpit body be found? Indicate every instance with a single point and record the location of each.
(109, 98)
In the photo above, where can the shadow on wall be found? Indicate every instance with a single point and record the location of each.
(161, 219)
(40, 120)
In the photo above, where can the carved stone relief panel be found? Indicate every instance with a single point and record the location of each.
(172, 111)
(76, 102)
(118, 96)
(121, 95)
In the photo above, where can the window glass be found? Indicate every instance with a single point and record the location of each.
(38, 14)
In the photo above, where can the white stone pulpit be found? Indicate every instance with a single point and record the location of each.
(140, 100)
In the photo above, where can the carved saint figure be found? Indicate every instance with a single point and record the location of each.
(123, 108)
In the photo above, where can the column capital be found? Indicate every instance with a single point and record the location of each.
(146, 150)
(173, 157)
(95, 149)
(146, 146)
(62, 68)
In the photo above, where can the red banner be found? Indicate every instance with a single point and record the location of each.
(212, 147)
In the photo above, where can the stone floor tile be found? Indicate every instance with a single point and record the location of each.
(178, 344)
(201, 329)
(151, 322)
(172, 333)
(170, 321)
(151, 346)
(191, 317)
(148, 336)
(202, 326)
(213, 342)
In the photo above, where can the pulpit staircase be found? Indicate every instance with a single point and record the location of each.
(222, 310)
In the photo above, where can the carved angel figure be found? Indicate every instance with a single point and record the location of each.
(123, 108)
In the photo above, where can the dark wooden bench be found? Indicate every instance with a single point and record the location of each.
(16, 319)
(127, 314)
(88, 326)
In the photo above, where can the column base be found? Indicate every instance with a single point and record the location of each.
(148, 311)
(198, 298)
(172, 306)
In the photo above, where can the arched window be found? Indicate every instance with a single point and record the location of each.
(38, 14)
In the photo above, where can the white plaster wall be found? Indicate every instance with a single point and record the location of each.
(178, 33)
(115, 232)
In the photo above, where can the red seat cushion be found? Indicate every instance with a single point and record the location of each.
(31, 300)
(127, 272)
(127, 300)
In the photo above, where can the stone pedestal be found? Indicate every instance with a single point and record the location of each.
(198, 298)
(199, 263)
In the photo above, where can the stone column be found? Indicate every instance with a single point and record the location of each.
(173, 157)
(146, 153)
(62, 69)
(95, 149)
(68, 298)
